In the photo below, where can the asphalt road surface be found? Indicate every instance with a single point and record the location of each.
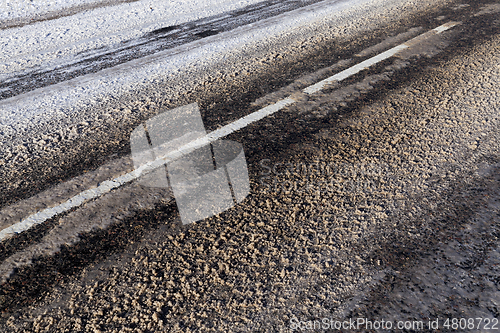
(374, 200)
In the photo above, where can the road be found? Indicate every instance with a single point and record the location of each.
(374, 194)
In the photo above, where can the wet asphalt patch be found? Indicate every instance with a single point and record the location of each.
(47, 272)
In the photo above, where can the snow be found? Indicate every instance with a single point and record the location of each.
(59, 40)
(33, 106)
(62, 103)
(12, 9)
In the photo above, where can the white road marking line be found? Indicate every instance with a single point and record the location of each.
(107, 186)
(445, 27)
(354, 69)
(372, 61)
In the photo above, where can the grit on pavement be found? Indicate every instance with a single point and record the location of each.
(391, 213)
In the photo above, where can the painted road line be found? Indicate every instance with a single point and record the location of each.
(108, 186)
(374, 60)
(445, 27)
(354, 69)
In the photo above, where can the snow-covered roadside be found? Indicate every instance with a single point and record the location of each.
(12, 9)
(33, 106)
(59, 39)
(62, 102)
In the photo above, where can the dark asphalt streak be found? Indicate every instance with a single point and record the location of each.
(33, 283)
(158, 40)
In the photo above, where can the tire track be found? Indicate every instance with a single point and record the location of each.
(155, 41)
